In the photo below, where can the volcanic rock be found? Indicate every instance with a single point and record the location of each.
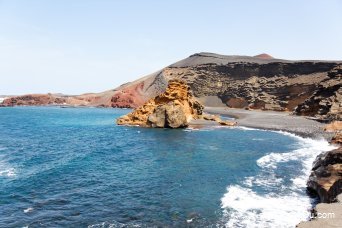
(173, 109)
(326, 101)
(326, 175)
(259, 82)
(337, 138)
(227, 123)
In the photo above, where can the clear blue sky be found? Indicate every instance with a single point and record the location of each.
(78, 46)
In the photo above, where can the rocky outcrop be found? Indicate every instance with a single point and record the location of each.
(326, 175)
(336, 128)
(337, 138)
(34, 99)
(90, 99)
(174, 108)
(326, 102)
(218, 119)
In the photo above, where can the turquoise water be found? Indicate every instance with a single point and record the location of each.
(74, 167)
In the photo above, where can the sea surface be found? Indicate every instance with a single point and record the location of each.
(74, 167)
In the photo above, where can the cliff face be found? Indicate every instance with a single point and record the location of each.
(260, 82)
(174, 108)
(326, 101)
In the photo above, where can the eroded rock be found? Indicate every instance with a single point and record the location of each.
(326, 175)
(326, 102)
(173, 109)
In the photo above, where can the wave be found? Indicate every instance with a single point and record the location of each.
(6, 170)
(115, 224)
(288, 204)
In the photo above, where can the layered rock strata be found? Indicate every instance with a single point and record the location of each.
(259, 82)
(326, 101)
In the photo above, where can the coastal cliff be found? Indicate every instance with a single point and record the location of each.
(326, 175)
(174, 108)
(326, 181)
(326, 102)
(259, 82)
(87, 100)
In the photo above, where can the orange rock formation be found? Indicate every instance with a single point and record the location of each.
(174, 108)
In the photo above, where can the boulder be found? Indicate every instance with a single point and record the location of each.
(170, 115)
(227, 123)
(326, 175)
(337, 138)
(212, 117)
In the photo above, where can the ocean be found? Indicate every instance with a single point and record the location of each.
(74, 167)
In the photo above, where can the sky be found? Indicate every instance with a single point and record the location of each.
(79, 46)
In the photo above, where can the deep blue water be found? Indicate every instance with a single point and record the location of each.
(74, 167)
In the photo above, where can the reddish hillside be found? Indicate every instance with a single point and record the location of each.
(264, 56)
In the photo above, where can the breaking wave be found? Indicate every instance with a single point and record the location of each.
(285, 203)
(5, 168)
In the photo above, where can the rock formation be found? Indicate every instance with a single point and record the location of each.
(337, 138)
(326, 102)
(326, 175)
(218, 119)
(173, 109)
(33, 99)
(89, 99)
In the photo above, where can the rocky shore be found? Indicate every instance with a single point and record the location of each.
(325, 179)
(177, 107)
(278, 121)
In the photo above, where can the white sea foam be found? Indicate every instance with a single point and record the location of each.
(10, 172)
(247, 128)
(5, 168)
(243, 207)
(114, 224)
(27, 210)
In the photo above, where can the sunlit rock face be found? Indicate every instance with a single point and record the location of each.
(174, 108)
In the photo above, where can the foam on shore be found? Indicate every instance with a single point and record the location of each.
(244, 207)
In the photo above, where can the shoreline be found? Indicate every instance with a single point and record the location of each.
(301, 126)
(276, 121)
